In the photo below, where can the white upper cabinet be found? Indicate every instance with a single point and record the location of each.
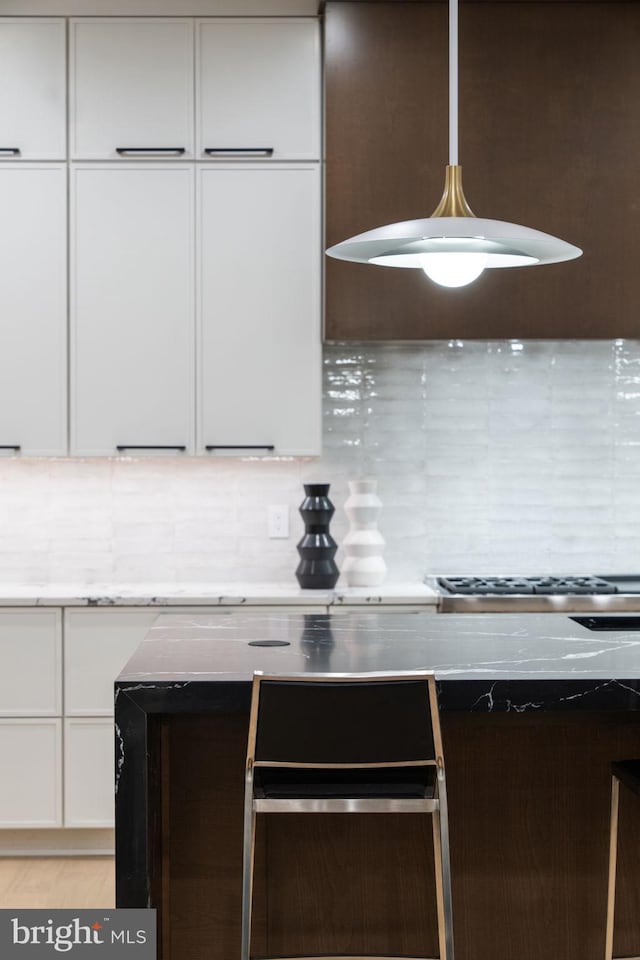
(258, 89)
(131, 88)
(259, 368)
(33, 309)
(32, 89)
(132, 314)
(154, 224)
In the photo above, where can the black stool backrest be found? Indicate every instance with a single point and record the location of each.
(350, 719)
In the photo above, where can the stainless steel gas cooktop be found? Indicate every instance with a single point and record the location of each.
(527, 585)
(610, 592)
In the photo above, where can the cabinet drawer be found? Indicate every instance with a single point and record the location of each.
(258, 86)
(33, 104)
(31, 655)
(131, 86)
(88, 773)
(31, 759)
(98, 643)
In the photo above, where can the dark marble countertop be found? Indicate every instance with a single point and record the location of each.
(483, 662)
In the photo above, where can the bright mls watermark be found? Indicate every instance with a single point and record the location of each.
(78, 934)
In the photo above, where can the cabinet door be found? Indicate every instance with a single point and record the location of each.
(33, 309)
(31, 657)
(259, 302)
(132, 308)
(98, 643)
(88, 773)
(33, 109)
(258, 87)
(131, 87)
(31, 763)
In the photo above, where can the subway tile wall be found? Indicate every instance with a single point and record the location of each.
(490, 456)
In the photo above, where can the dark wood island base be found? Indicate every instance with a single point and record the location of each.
(528, 770)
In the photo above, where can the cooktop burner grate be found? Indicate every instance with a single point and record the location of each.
(526, 585)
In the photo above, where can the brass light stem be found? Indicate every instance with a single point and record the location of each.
(453, 202)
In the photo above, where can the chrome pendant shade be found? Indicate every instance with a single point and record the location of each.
(453, 246)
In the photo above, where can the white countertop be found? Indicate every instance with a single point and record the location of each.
(208, 594)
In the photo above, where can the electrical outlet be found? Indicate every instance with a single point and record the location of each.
(278, 520)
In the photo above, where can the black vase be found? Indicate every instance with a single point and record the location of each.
(317, 569)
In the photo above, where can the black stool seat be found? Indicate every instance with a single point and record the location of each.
(272, 783)
(628, 772)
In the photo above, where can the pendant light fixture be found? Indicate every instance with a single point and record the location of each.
(453, 246)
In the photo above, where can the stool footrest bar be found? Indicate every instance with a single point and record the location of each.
(335, 805)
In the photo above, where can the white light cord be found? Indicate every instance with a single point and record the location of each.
(453, 83)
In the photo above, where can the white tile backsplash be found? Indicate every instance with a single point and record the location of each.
(490, 456)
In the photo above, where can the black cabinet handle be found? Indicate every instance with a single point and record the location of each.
(12, 151)
(174, 151)
(151, 446)
(240, 446)
(10, 446)
(239, 151)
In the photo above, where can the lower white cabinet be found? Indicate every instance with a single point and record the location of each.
(98, 643)
(38, 770)
(31, 659)
(30, 733)
(88, 772)
(30, 708)
(31, 758)
(57, 756)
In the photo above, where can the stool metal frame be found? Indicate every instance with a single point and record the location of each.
(628, 773)
(435, 804)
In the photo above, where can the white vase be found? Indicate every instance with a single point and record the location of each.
(363, 565)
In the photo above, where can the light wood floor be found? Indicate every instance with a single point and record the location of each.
(63, 882)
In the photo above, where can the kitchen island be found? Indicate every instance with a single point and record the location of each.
(534, 708)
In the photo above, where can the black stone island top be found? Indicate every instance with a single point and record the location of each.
(482, 662)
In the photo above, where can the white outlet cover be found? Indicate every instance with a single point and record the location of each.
(278, 521)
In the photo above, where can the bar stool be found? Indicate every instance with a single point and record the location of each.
(347, 743)
(628, 773)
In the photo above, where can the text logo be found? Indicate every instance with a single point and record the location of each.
(78, 934)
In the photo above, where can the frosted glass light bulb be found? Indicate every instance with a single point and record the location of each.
(453, 269)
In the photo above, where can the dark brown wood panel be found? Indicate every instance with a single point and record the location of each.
(203, 816)
(550, 138)
(529, 814)
(347, 884)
